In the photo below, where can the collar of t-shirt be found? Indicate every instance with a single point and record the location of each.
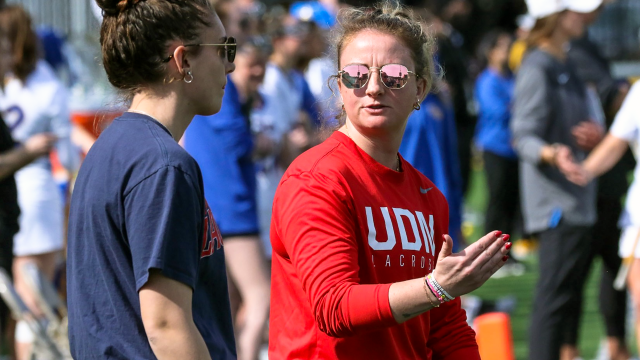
(129, 115)
(370, 163)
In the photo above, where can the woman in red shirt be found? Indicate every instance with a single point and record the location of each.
(356, 228)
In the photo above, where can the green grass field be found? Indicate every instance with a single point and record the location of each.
(522, 287)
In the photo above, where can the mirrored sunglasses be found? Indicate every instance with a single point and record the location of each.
(393, 76)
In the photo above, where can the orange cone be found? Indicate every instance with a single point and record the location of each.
(493, 334)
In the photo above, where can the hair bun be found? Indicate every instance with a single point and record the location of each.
(115, 7)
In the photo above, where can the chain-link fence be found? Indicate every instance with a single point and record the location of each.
(617, 30)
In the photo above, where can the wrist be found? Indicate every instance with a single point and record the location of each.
(26, 153)
(437, 290)
(589, 175)
(555, 149)
(432, 298)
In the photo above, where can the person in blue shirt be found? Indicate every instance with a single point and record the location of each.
(430, 144)
(223, 146)
(146, 274)
(494, 96)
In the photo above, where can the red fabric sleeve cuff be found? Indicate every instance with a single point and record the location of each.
(368, 307)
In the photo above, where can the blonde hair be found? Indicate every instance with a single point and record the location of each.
(388, 17)
(542, 30)
(391, 18)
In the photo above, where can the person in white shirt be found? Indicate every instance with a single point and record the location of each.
(34, 102)
(624, 132)
(281, 119)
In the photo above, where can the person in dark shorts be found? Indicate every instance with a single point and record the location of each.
(146, 270)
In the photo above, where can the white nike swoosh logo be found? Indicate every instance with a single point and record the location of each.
(424, 191)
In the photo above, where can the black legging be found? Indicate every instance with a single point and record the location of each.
(564, 258)
(6, 263)
(613, 304)
(503, 209)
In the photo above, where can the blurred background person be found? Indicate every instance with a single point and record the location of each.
(316, 61)
(13, 157)
(624, 132)
(282, 119)
(34, 101)
(519, 46)
(453, 57)
(594, 70)
(550, 99)
(223, 146)
(494, 97)
(430, 145)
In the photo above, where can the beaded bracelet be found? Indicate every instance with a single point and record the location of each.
(434, 291)
(440, 288)
(441, 293)
(426, 292)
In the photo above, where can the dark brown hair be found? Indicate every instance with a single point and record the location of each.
(135, 33)
(16, 23)
(542, 30)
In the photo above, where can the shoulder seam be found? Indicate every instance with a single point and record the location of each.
(311, 170)
(126, 193)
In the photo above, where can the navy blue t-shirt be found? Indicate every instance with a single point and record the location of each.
(138, 204)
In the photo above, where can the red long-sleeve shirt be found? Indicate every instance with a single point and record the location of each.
(344, 228)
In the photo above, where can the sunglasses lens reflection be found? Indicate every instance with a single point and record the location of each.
(231, 50)
(394, 76)
(228, 51)
(355, 76)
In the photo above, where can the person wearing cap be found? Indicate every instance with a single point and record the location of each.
(550, 102)
(316, 62)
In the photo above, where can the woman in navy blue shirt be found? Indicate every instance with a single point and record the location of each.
(146, 269)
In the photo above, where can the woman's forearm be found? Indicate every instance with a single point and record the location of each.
(12, 160)
(409, 299)
(605, 156)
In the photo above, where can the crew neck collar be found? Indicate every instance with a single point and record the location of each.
(371, 163)
(140, 116)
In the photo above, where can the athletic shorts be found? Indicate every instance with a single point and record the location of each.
(628, 238)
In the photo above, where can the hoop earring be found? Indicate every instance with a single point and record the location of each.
(190, 75)
(416, 106)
